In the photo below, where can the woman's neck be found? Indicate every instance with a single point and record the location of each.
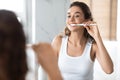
(77, 39)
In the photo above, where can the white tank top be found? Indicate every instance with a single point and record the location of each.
(75, 68)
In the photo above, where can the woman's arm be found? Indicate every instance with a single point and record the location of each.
(56, 44)
(48, 60)
(103, 56)
(99, 48)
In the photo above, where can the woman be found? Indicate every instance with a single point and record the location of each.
(80, 44)
(13, 64)
(13, 58)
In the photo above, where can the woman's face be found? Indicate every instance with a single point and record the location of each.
(74, 16)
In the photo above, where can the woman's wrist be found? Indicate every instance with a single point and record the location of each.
(98, 39)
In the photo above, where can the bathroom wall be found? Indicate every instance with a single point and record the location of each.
(50, 18)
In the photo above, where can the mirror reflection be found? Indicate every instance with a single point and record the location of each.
(43, 20)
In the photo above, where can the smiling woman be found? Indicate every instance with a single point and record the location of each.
(47, 18)
(78, 47)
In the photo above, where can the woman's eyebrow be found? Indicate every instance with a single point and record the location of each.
(75, 12)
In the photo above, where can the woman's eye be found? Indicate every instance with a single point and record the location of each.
(77, 16)
(68, 16)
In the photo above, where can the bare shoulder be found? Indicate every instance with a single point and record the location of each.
(57, 40)
(56, 43)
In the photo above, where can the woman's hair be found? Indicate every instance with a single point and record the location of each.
(12, 47)
(87, 15)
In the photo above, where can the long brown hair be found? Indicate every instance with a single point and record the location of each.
(87, 15)
(12, 47)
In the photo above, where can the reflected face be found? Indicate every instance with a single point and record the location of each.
(74, 16)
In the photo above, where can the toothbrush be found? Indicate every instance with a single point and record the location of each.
(83, 24)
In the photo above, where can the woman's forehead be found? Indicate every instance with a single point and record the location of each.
(74, 9)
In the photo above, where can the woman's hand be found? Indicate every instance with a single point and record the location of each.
(48, 60)
(92, 30)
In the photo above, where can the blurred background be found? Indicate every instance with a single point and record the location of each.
(44, 19)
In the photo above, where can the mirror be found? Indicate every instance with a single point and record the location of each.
(44, 19)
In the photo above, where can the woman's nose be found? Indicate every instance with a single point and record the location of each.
(72, 19)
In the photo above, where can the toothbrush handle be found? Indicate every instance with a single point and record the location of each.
(86, 24)
(93, 24)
